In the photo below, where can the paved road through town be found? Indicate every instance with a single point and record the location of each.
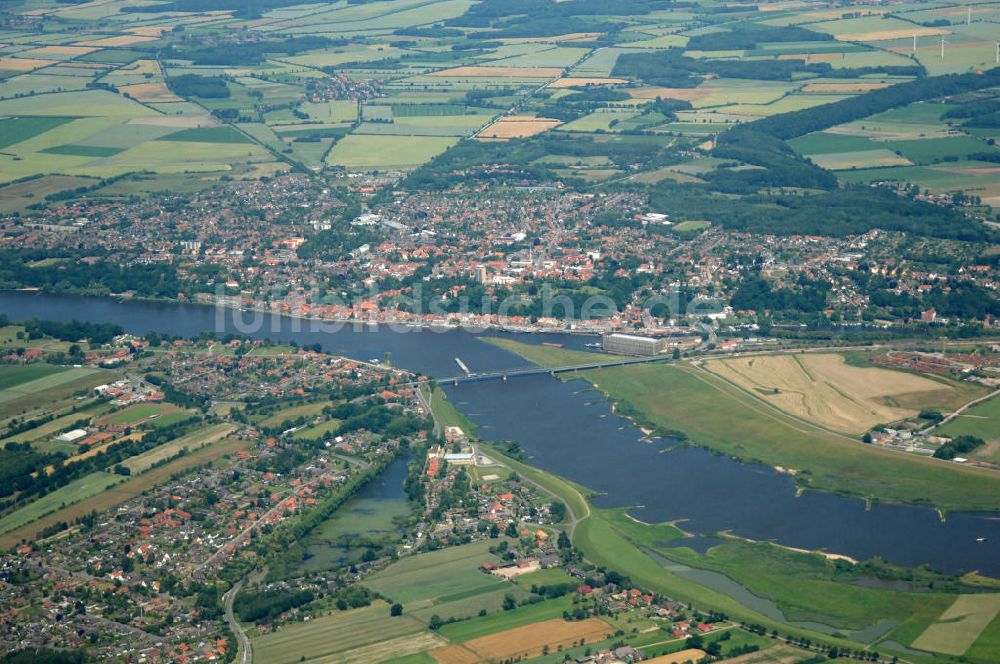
(246, 653)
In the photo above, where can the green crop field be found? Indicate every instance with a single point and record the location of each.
(208, 135)
(382, 152)
(302, 410)
(936, 149)
(330, 637)
(321, 430)
(74, 492)
(13, 375)
(436, 577)
(545, 577)
(36, 380)
(15, 130)
(136, 414)
(499, 622)
(51, 392)
(879, 158)
(190, 441)
(980, 420)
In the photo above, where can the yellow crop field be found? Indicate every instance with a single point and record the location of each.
(886, 35)
(529, 641)
(120, 40)
(518, 127)
(812, 57)
(149, 92)
(70, 51)
(689, 655)
(454, 654)
(960, 625)
(825, 390)
(149, 30)
(24, 64)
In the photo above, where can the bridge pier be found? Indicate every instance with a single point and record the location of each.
(456, 382)
(552, 373)
(505, 378)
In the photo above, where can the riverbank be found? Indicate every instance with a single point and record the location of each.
(674, 397)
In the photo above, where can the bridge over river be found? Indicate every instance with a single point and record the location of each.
(472, 377)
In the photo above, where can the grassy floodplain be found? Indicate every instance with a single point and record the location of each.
(703, 406)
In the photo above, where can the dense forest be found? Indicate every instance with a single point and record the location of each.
(193, 85)
(247, 53)
(537, 18)
(751, 34)
(851, 210)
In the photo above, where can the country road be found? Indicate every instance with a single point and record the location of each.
(246, 653)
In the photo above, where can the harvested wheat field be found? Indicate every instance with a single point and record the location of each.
(24, 64)
(886, 35)
(571, 37)
(178, 121)
(528, 641)
(499, 72)
(390, 649)
(689, 655)
(119, 40)
(454, 654)
(149, 92)
(52, 51)
(149, 30)
(960, 625)
(843, 87)
(579, 82)
(518, 127)
(813, 57)
(823, 389)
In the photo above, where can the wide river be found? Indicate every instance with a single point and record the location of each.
(569, 429)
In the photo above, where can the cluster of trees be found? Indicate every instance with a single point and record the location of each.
(179, 397)
(671, 68)
(778, 165)
(73, 275)
(336, 243)
(193, 85)
(248, 53)
(958, 445)
(748, 35)
(241, 8)
(74, 330)
(756, 293)
(465, 162)
(257, 606)
(537, 18)
(375, 416)
(851, 210)
(979, 113)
